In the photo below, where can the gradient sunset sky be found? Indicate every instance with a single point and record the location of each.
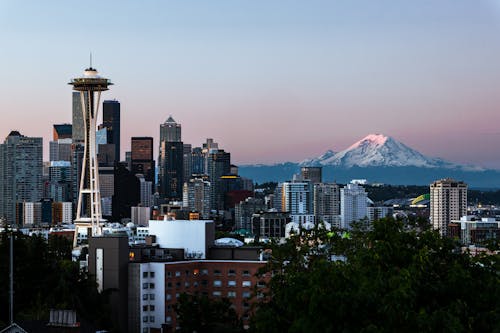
(269, 80)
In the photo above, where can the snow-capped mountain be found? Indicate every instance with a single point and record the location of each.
(376, 150)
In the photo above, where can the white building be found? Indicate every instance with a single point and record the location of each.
(448, 202)
(353, 205)
(194, 236)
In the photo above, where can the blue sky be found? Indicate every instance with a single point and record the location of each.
(269, 80)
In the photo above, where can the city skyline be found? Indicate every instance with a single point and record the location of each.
(262, 77)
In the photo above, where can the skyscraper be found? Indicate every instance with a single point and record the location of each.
(20, 173)
(88, 210)
(170, 131)
(218, 164)
(171, 161)
(142, 158)
(111, 121)
(196, 196)
(353, 205)
(327, 203)
(313, 174)
(448, 202)
(62, 131)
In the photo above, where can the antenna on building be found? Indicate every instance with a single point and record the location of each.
(90, 59)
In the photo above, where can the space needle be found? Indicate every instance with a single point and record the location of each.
(88, 211)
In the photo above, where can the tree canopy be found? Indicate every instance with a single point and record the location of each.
(383, 278)
(46, 278)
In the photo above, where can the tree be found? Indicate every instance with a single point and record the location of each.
(198, 313)
(45, 278)
(381, 279)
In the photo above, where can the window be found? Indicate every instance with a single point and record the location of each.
(177, 273)
(145, 330)
(187, 272)
(151, 308)
(246, 305)
(152, 274)
(169, 285)
(177, 284)
(151, 319)
(231, 283)
(231, 272)
(169, 308)
(144, 274)
(144, 308)
(204, 272)
(204, 282)
(168, 319)
(216, 294)
(152, 297)
(145, 297)
(195, 284)
(217, 272)
(186, 284)
(231, 294)
(177, 295)
(151, 286)
(217, 283)
(145, 285)
(246, 294)
(246, 284)
(168, 297)
(261, 284)
(246, 273)
(145, 319)
(196, 271)
(169, 274)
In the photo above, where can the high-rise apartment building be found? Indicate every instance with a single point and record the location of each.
(448, 202)
(244, 211)
(353, 205)
(20, 173)
(326, 199)
(196, 196)
(142, 158)
(111, 120)
(60, 181)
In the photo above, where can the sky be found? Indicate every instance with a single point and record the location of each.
(270, 80)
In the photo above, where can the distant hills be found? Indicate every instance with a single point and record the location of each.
(381, 159)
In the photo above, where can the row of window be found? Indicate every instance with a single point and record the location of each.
(148, 319)
(217, 283)
(148, 308)
(147, 285)
(151, 297)
(148, 274)
(230, 272)
(230, 294)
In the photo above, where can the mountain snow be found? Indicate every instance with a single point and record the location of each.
(378, 150)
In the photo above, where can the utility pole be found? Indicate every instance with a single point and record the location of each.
(11, 276)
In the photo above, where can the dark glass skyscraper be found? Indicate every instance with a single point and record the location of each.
(111, 120)
(171, 160)
(142, 158)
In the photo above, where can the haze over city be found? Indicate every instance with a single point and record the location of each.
(271, 80)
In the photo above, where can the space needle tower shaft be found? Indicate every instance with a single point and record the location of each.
(88, 210)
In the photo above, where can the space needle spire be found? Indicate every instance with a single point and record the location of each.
(88, 211)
